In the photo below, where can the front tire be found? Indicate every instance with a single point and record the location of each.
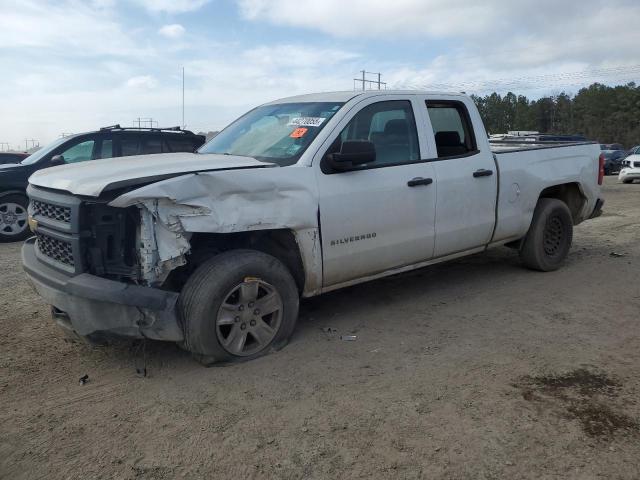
(14, 225)
(238, 305)
(548, 240)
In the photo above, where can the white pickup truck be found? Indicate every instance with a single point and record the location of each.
(297, 197)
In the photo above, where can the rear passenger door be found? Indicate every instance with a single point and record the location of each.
(466, 179)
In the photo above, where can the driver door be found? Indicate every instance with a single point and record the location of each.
(377, 216)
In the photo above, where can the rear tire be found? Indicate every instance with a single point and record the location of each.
(627, 181)
(548, 240)
(14, 224)
(220, 307)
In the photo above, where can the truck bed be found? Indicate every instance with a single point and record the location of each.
(527, 168)
(504, 146)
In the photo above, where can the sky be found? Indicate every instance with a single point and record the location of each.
(70, 66)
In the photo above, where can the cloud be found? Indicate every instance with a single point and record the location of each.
(81, 28)
(529, 33)
(174, 30)
(172, 6)
(142, 82)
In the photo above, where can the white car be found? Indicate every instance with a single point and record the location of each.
(630, 169)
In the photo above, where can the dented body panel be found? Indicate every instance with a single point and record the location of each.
(231, 201)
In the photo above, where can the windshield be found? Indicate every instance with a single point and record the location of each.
(44, 151)
(274, 133)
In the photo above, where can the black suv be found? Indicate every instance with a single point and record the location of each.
(108, 142)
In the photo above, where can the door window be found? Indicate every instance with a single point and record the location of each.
(129, 146)
(390, 126)
(451, 128)
(106, 149)
(152, 145)
(180, 145)
(80, 152)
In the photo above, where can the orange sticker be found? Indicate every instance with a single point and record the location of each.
(298, 133)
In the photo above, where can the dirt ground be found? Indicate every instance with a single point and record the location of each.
(475, 369)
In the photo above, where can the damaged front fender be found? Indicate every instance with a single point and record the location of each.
(228, 201)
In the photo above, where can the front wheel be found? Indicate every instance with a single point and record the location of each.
(548, 240)
(238, 305)
(14, 225)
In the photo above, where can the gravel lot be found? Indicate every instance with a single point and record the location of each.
(475, 369)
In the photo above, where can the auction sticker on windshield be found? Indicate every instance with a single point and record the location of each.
(306, 121)
(298, 133)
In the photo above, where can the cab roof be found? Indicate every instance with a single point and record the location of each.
(345, 96)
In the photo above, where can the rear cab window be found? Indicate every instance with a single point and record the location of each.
(452, 128)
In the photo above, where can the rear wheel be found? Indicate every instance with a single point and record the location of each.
(238, 305)
(548, 240)
(14, 224)
(627, 180)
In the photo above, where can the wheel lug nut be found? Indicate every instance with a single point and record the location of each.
(237, 319)
(241, 307)
(250, 304)
(243, 326)
(256, 312)
(252, 323)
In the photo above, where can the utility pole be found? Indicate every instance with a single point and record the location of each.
(183, 125)
(365, 81)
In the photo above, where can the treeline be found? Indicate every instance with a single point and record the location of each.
(601, 113)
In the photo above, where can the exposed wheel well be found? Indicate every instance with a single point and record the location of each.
(571, 195)
(278, 243)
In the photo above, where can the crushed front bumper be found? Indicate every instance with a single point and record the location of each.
(86, 304)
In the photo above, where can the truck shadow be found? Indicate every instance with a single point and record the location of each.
(427, 285)
(388, 297)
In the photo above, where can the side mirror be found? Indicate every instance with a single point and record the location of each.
(56, 160)
(352, 153)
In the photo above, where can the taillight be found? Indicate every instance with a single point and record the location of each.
(601, 169)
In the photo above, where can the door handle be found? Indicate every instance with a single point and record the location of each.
(414, 182)
(482, 173)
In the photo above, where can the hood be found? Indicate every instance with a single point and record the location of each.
(10, 167)
(97, 176)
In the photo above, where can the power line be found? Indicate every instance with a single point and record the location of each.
(145, 122)
(535, 82)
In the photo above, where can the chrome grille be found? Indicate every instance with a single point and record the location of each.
(55, 249)
(54, 212)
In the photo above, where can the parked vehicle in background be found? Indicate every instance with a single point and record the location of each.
(633, 151)
(611, 146)
(612, 161)
(12, 157)
(105, 143)
(630, 168)
(298, 197)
